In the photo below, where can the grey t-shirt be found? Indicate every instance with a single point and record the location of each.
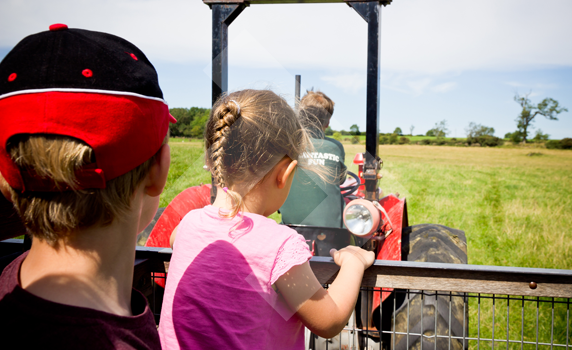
(313, 201)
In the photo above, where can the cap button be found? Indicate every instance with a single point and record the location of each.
(58, 26)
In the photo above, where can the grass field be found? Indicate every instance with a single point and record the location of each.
(515, 209)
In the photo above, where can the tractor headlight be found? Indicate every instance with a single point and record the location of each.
(362, 218)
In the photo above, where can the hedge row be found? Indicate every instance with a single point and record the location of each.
(565, 143)
(489, 141)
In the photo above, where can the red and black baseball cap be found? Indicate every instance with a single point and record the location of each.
(92, 86)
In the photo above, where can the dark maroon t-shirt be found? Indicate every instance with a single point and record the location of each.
(10, 223)
(30, 322)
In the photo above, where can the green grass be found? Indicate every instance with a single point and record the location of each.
(411, 138)
(187, 160)
(516, 210)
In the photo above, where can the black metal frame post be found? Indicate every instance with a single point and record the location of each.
(297, 90)
(371, 13)
(223, 16)
(224, 12)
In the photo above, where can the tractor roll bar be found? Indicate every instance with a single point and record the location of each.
(255, 2)
(224, 12)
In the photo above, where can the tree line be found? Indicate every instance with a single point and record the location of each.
(191, 123)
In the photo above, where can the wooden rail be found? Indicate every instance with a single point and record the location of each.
(438, 276)
(406, 275)
(456, 278)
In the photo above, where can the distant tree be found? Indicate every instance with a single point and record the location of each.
(190, 121)
(549, 108)
(337, 136)
(329, 131)
(539, 136)
(398, 131)
(439, 130)
(477, 130)
(411, 130)
(393, 139)
(514, 137)
(355, 130)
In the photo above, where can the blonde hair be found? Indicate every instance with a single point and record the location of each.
(318, 106)
(247, 134)
(52, 216)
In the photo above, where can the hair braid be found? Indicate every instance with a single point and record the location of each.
(248, 132)
(227, 116)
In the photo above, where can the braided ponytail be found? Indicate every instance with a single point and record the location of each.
(224, 117)
(247, 134)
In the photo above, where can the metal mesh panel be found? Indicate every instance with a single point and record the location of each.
(429, 319)
(491, 322)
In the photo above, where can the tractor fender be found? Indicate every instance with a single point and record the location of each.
(195, 197)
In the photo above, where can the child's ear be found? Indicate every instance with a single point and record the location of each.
(286, 167)
(157, 177)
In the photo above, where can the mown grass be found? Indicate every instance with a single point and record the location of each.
(187, 160)
(515, 209)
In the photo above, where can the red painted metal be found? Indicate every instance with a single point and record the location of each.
(195, 197)
(358, 159)
(390, 248)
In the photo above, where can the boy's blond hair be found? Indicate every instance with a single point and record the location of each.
(53, 216)
(247, 134)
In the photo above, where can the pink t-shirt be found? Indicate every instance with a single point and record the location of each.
(219, 291)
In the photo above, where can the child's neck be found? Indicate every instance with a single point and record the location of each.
(268, 195)
(224, 201)
(94, 269)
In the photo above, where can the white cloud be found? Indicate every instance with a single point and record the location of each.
(420, 36)
(417, 87)
(444, 87)
(532, 86)
(171, 30)
(418, 84)
(349, 83)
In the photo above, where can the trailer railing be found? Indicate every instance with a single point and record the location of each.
(500, 307)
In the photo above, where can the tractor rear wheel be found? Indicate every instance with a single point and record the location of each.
(436, 244)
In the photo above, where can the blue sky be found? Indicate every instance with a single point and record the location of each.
(462, 61)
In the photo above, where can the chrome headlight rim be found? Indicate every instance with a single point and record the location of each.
(373, 212)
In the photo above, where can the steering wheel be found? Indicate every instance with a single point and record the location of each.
(351, 189)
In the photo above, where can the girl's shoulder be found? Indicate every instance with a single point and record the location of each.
(270, 227)
(293, 252)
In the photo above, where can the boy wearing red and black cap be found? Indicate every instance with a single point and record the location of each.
(83, 158)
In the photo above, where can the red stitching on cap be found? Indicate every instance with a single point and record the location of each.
(87, 73)
(133, 56)
(12, 77)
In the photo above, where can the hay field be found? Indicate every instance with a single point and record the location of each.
(516, 210)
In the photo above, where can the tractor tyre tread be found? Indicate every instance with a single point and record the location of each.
(437, 244)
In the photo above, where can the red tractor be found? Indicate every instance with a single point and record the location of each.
(375, 222)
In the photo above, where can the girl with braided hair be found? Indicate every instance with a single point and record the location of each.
(238, 280)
